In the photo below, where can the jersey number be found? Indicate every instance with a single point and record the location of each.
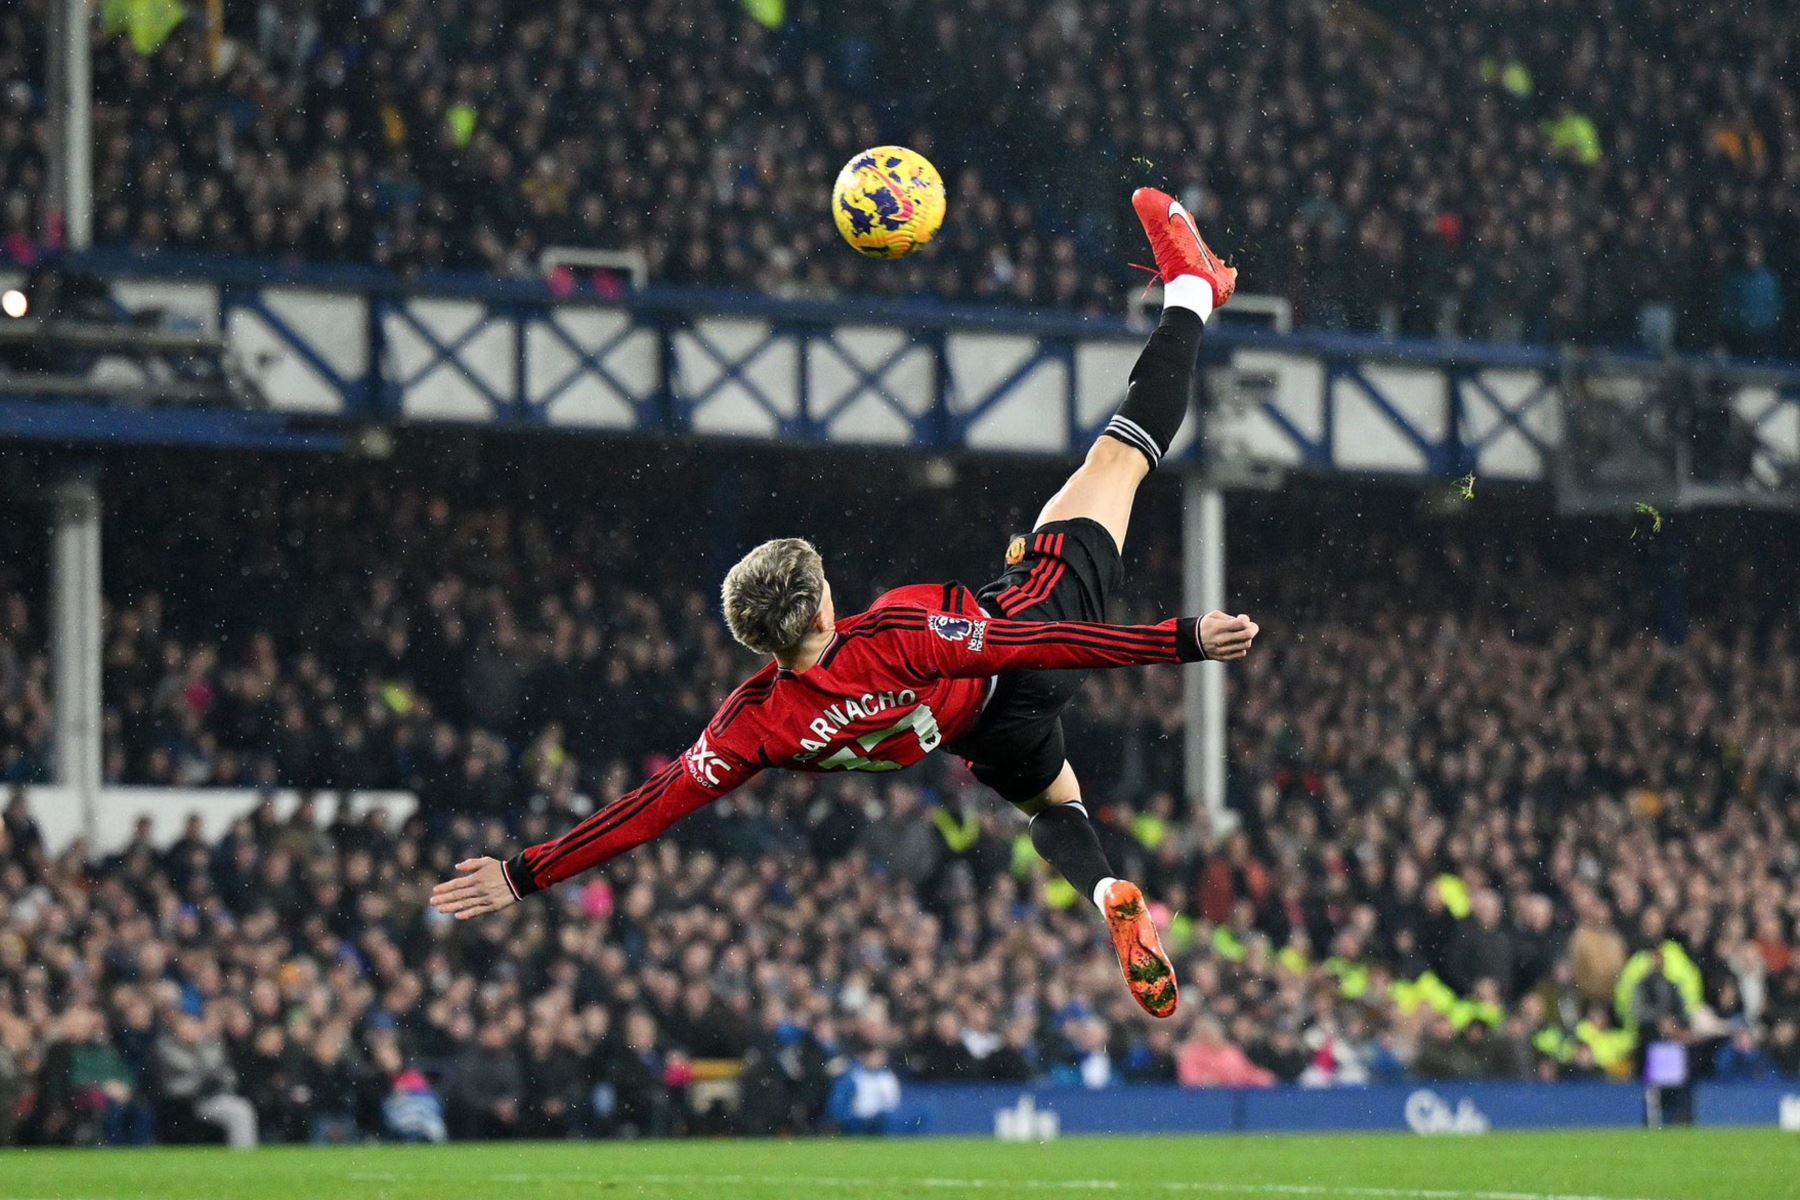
(921, 721)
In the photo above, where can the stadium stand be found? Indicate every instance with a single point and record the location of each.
(1457, 858)
(1611, 173)
(1505, 807)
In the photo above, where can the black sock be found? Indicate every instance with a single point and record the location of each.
(1066, 839)
(1156, 400)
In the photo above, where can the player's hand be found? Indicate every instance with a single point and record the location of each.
(479, 888)
(1225, 638)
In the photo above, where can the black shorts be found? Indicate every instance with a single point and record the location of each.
(1063, 571)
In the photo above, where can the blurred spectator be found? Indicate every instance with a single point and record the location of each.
(1444, 1053)
(1210, 1061)
(1511, 1054)
(633, 1068)
(1482, 949)
(1018, 1058)
(270, 1077)
(1154, 1059)
(1742, 1059)
(1581, 1067)
(1656, 1002)
(1597, 950)
(195, 1082)
(1784, 1048)
(1281, 1055)
(940, 1056)
(15, 1079)
(88, 1094)
(785, 1081)
(866, 1098)
(412, 1111)
(1089, 1062)
(488, 1093)
(554, 1085)
(1752, 304)
(332, 1089)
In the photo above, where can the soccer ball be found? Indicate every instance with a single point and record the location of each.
(888, 201)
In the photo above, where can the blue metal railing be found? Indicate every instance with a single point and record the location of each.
(342, 344)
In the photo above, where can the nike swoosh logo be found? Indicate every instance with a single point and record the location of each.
(1179, 216)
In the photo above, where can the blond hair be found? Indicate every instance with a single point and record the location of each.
(773, 593)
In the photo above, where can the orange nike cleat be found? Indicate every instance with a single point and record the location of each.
(1178, 246)
(1148, 971)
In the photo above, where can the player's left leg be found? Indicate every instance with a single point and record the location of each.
(1102, 489)
(1063, 835)
(1066, 570)
(1195, 282)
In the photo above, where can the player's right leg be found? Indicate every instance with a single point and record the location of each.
(1156, 400)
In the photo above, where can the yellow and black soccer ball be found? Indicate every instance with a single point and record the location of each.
(888, 201)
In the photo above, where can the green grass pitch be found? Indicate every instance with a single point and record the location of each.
(1673, 1165)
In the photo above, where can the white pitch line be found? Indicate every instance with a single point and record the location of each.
(1325, 1191)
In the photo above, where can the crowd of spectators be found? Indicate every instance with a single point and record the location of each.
(1496, 830)
(1620, 171)
(1487, 824)
(25, 712)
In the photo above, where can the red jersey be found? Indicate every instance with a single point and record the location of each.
(893, 684)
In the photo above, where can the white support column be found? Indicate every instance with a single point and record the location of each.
(70, 195)
(1203, 684)
(75, 637)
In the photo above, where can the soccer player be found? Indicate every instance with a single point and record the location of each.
(982, 674)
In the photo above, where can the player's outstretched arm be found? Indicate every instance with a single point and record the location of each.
(977, 647)
(701, 775)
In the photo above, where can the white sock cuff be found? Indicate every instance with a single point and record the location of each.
(1100, 891)
(1133, 434)
(1190, 292)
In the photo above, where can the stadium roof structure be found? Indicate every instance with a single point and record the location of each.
(326, 351)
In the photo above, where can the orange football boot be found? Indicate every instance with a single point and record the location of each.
(1148, 971)
(1178, 246)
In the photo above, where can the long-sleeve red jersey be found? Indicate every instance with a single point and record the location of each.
(894, 683)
